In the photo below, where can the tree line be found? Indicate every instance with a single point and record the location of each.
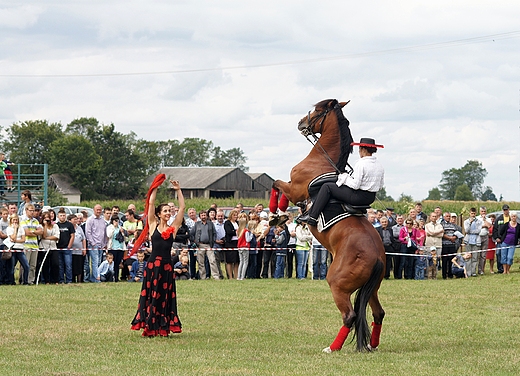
(105, 163)
(459, 184)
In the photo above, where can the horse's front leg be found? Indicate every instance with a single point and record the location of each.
(279, 201)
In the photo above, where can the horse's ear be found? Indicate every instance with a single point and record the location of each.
(343, 104)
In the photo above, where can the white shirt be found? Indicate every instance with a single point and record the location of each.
(368, 175)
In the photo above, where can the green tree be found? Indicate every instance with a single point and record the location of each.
(434, 194)
(28, 142)
(232, 158)
(195, 152)
(463, 193)
(383, 196)
(74, 155)
(471, 174)
(405, 198)
(122, 172)
(488, 195)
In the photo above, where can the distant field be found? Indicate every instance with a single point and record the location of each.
(262, 327)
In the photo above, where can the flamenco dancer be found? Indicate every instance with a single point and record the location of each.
(157, 308)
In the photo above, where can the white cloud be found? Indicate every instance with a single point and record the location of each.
(433, 108)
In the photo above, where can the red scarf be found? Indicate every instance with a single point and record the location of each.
(159, 179)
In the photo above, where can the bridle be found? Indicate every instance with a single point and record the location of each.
(308, 133)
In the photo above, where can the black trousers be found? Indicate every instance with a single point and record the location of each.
(346, 194)
(446, 260)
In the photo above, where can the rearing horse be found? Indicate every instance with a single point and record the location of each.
(356, 247)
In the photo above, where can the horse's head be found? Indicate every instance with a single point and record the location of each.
(314, 121)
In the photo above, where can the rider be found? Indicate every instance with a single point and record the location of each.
(359, 189)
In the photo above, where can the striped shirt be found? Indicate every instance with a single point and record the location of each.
(31, 242)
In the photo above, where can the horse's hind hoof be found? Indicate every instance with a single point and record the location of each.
(327, 350)
(371, 349)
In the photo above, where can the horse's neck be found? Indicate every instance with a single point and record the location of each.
(329, 142)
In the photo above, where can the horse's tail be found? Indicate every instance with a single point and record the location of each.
(362, 331)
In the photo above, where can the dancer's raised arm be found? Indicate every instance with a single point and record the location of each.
(182, 206)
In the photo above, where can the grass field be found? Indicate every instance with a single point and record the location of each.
(262, 327)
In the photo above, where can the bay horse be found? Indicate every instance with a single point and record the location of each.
(356, 247)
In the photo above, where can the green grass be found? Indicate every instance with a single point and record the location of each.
(262, 327)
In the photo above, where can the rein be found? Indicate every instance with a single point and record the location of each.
(307, 132)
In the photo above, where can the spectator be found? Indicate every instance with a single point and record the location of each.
(387, 237)
(398, 260)
(490, 254)
(182, 268)
(137, 270)
(282, 239)
(204, 235)
(26, 198)
(32, 229)
(269, 257)
(472, 227)
(79, 250)
(319, 260)
(6, 259)
(107, 215)
(390, 215)
(420, 214)
(434, 232)
(95, 232)
(421, 264)
(219, 241)
(231, 241)
(459, 265)
(49, 239)
(303, 246)
(190, 222)
(500, 221)
(244, 240)
(431, 270)
(448, 246)
(106, 269)
(116, 235)
(64, 245)
(408, 239)
(15, 241)
(131, 225)
(252, 226)
(484, 239)
(291, 246)
(509, 234)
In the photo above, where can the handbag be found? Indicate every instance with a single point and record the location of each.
(6, 254)
(412, 245)
(120, 237)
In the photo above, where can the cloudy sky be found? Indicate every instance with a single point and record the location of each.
(438, 83)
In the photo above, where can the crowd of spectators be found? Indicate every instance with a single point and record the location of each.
(53, 249)
(418, 245)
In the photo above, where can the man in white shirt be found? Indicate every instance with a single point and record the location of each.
(358, 189)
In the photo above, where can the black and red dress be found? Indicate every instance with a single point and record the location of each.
(157, 308)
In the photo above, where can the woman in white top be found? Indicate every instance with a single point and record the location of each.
(115, 246)
(358, 189)
(14, 241)
(51, 234)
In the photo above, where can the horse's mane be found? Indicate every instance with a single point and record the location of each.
(344, 131)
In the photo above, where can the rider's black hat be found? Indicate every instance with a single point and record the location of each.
(367, 143)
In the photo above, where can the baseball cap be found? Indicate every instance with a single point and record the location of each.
(453, 214)
(263, 215)
(505, 207)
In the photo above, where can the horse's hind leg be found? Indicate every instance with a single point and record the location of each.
(379, 314)
(348, 315)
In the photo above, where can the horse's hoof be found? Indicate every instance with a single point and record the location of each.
(327, 350)
(273, 220)
(371, 349)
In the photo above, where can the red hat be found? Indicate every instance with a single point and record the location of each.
(367, 143)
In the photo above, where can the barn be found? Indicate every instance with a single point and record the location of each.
(218, 182)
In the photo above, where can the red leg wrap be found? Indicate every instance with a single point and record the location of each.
(273, 202)
(340, 339)
(376, 333)
(284, 203)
